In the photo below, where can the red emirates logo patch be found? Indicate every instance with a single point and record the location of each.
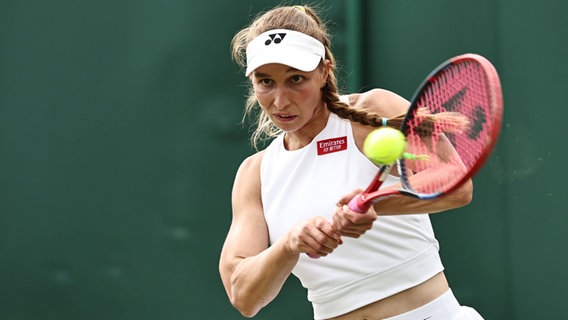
(332, 145)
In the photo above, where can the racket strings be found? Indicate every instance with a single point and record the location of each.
(455, 106)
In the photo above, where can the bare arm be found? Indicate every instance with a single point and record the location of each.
(253, 272)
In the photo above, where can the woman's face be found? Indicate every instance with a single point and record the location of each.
(291, 98)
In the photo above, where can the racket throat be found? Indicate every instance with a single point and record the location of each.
(377, 182)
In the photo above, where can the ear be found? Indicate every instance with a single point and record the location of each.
(326, 69)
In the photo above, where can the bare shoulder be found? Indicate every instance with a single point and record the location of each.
(382, 102)
(248, 234)
(251, 165)
(247, 179)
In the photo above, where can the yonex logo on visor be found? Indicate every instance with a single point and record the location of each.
(288, 47)
(275, 37)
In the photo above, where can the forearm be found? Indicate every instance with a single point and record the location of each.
(408, 205)
(257, 280)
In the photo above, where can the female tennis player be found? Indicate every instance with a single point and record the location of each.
(289, 199)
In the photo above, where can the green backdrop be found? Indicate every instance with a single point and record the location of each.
(120, 135)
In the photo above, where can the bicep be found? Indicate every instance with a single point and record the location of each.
(381, 102)
(248, 233)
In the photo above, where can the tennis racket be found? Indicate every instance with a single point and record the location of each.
(451, 128)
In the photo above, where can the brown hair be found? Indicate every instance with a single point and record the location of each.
(302, 19)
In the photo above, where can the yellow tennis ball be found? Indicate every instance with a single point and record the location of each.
(384, 145)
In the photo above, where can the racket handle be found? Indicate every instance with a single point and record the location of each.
(358, 205)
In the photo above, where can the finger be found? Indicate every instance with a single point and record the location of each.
(352, 224)
(323, 239)
(346, 218)
(346, 198)
(359, 218)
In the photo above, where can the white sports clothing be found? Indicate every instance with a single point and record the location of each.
(399, 252)
(445, 307)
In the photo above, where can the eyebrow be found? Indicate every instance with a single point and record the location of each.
(265, 75)
(260, 74)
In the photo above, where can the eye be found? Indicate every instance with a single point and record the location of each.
(297, 78)
(263, 82)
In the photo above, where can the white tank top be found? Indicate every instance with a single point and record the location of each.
(399, 252)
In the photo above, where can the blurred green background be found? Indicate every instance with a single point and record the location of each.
(120, 135)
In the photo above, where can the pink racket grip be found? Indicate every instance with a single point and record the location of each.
(357, 204)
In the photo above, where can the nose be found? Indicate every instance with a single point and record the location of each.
(281, 99)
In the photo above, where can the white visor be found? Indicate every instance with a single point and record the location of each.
(291, 48)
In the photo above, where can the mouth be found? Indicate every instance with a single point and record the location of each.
(284, 117)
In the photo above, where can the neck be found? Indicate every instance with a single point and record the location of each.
(301, 138)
